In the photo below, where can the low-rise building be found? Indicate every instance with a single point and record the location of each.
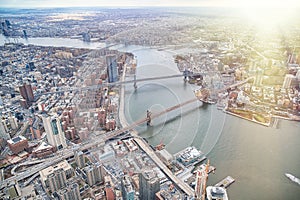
(17, 144)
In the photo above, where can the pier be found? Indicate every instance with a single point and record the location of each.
(225, 182)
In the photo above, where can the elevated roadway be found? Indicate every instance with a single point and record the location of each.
(66, 153)
(94, 87)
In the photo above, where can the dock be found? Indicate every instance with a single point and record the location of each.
(203, 166)
(225, 182)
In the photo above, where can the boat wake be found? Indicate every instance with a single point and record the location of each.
(293, 178)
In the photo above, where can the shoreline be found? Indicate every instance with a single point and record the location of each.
(122, 118)
(244, 118)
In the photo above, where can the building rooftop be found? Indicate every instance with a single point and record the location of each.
(42, 146)
(16, 139)
(149, 174)
(49, 170)
(127, 184)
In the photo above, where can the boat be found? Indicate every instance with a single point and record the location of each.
(219, 193)
(293, 178)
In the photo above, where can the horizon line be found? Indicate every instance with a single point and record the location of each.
(136, 6)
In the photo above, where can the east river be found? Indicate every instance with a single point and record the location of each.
(257, 157)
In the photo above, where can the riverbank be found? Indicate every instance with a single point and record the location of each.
(122, 118)
(267, 124)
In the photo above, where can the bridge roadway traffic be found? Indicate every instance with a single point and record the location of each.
(66, 153)
(94, 87)
(145, 146)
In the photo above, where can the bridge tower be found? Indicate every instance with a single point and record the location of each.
(134, 83)
(185, 74)
(148, 118)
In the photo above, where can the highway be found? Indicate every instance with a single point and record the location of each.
(61, 155)
(148, 150)
(178, 182)
(64, 154)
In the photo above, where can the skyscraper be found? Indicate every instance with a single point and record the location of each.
(112, 68)
(55, 177)
(79, 159)
(127, 188)
(71, 192)
(27, 93)
(57, 180)
(93, 173)
(288, 81)
(201, 177)
(4, 130)
(55, 135)
(1, 101)
(13, 122)
(149, 185)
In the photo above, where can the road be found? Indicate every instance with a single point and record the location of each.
(178, 182)
(148, 150)
(65, 153)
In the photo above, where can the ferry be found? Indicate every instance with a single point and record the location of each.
(293, 178)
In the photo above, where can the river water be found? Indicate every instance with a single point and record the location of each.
(256, 156)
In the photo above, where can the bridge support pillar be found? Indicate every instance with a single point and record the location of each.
(134, 84)
(185, 72)
(148, 118)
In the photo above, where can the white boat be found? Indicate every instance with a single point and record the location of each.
(219, 193)
(293, 178)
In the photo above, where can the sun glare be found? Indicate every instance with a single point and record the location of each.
(268, 13)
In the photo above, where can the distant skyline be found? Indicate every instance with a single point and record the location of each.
(143, 3)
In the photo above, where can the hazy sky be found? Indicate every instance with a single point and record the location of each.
(120, 3)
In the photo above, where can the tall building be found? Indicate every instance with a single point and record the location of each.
(288, 81)
(298, 75)
(148, 185)
(112, 68)
(57, 180)
(27, 93)
(201, 177)
(79, 159)
(53, 128)
(4, 130)
(93, 173)
(71, 192)
(55, 177)
(36, 128)
(127, 188)
(13, 122)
